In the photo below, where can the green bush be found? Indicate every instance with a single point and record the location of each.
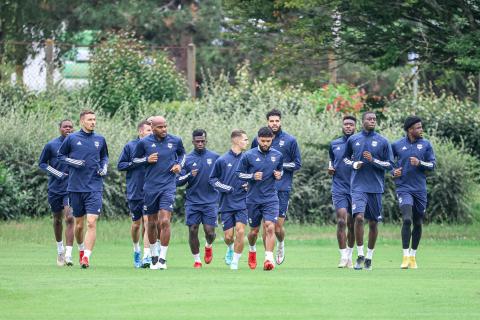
(444, 116)
(122, 72)
(222, 108)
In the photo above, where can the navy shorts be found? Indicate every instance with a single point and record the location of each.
(283, 201)
(418, 201)
(342, 201)
(205, 214)
(266, 211)
(230, 218)
(136, 209)
(57, 201)
(368, 203)
(156, 201)
(85, 203)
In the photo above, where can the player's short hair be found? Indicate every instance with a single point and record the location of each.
(274, 112)
(199, 133)
(410, 121)
(237, 133)
(265, 132)
(349, 117)
(85, 112)
(143, 123)
(364, 115)
(64, 120)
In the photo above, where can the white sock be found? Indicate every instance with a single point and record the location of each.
(253, 248)
(369, 253)
(269, 256)
(236, 257)
(208, 245)
(68, 251)
(343, 253)
(360, 251)
(88, 253)
(146, 252)
(163, 252)
(406, 253)
(281, 244)
(136, 247)
(413, 253)
(196, 257)
(60, 248)
(81, 247)
(349, 252)
(154, 249)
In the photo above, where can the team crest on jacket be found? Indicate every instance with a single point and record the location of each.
(419, 146)
(273, 159)
(374, 143)
(97, 144)
(170, 145)
(281, 143)
(209, 161)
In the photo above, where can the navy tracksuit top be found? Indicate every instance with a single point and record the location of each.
(292, 160)
(158, 177)
(199, 191)
(225, 180)
(57, 171)
(86, 154)
(342, 166)
(370, 178)
(135, 171)
(413, 178)
(254, 160)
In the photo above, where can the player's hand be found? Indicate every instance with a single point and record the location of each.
(357, 165)
(414, 161)
(153, 158)
(277, 174)
(258, 175)
(194, 172)
(176, 168)
(397, 172)
(245, 186)
(331, 171)
(367, 155)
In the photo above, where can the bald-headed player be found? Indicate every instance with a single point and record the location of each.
(164, 156)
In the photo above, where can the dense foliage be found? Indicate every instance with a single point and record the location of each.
(28, 124)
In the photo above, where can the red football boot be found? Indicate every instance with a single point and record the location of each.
(268, 265)
(81, 253)
(252, 260)
(197, 265)
(208, 255)
(84, 263)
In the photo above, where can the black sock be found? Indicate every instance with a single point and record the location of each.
(406, 227)
(416, 233)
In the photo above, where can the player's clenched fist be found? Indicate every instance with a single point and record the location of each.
(153, 158)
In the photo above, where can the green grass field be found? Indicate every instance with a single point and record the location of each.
(307, 286)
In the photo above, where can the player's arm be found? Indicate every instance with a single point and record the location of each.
(296, 164)
(348, 155)
(103, 159)
(386, 158)
(278, 172)
(63, 157)
(180, 158)
(396, 171)
(242, 169)
(331, 156)
(429, 163)
(185, 176)
(124, 163)
(139, 156)
(44, 164)
(215, 176)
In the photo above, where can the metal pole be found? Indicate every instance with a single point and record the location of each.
(49, 62)
(191, 67)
